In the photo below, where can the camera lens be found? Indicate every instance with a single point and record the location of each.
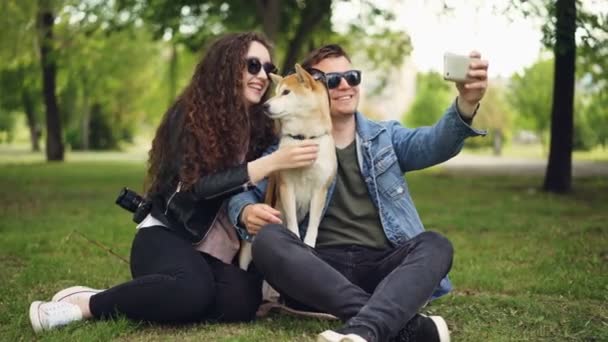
(129, 199)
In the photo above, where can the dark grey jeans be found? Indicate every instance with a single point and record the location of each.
(379, 289)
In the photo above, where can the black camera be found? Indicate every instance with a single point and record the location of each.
(133, 202)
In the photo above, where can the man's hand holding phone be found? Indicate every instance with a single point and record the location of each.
(471, 77)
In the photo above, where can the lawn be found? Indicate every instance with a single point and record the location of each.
(528, 266)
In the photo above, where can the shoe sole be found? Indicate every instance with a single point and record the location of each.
(329, 336)
(442, 328)
(59, 296)
(332, 336)
(35, 316)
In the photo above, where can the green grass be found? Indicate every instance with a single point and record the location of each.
(528, 266)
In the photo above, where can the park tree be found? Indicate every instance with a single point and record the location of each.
(433, 95)
(20, 89)
(28, 40)
(558, 177)
(495, 115)
(45, 22)
(69, 39)
(193, 23)
(94, 67)
(597, 116)
(568, 24)
(104, 83)
(20, 81)
(530, 94)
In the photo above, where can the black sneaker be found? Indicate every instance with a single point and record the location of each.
(355, 333)
(423, 328)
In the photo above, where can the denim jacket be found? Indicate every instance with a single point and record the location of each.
(385, 151)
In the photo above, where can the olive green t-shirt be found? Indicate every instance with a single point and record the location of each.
(351, 217)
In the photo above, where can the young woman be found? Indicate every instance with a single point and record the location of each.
(207, 148)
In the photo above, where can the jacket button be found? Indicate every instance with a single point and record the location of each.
(399, 190)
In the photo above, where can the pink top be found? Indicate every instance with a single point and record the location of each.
(221, 240)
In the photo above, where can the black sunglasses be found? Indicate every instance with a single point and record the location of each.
(254, 66)
(316, 74)
(333, 79)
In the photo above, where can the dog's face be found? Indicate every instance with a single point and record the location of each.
(297, 97)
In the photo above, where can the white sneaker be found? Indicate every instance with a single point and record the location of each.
(50, 315)
(332, 336)
(345, 334)
(67, 294)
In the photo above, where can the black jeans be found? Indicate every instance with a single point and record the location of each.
(172, 282)
(379, 289)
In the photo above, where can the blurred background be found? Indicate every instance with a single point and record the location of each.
(95, 75)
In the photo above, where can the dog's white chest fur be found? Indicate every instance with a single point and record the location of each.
(306, 181)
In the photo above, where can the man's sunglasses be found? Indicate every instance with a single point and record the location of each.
(333, 79)
(254, 66)
(352, 77)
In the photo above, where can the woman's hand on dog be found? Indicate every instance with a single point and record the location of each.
(255, 216)
(287, 157)
(295, 156)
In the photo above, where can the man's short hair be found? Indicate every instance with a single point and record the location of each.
(326, 51)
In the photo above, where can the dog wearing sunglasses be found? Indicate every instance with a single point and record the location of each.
(301, 107)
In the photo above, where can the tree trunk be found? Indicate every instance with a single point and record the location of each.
(32, 124)
(85, 125)
(85, 130)
(54, 143)
(559, 169)
(312, 15)
(269, 13)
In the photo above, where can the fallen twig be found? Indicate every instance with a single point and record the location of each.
(101, 246)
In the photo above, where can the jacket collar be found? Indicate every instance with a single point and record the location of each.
(367, 129)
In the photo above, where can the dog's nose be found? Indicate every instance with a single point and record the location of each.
(266, 106)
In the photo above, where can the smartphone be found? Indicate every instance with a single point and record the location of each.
(455, 67)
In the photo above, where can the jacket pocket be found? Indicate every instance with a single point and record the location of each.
(384, 160)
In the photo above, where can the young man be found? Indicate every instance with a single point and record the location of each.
(374, 266)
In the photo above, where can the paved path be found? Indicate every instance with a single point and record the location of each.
(518, 166)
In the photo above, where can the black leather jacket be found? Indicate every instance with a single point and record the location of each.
(190, 213)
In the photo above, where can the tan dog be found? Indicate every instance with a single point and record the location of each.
(301, 105)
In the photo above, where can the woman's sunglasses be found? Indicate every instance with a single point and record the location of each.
(254, 66)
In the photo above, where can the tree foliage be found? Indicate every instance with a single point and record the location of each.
(530, 94)
(433, 96)
(116, 62)
(496, 116)
(569, 25)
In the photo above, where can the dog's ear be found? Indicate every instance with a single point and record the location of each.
(276, 79)
(304, 77)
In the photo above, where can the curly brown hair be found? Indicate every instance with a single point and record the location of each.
(208, 126)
